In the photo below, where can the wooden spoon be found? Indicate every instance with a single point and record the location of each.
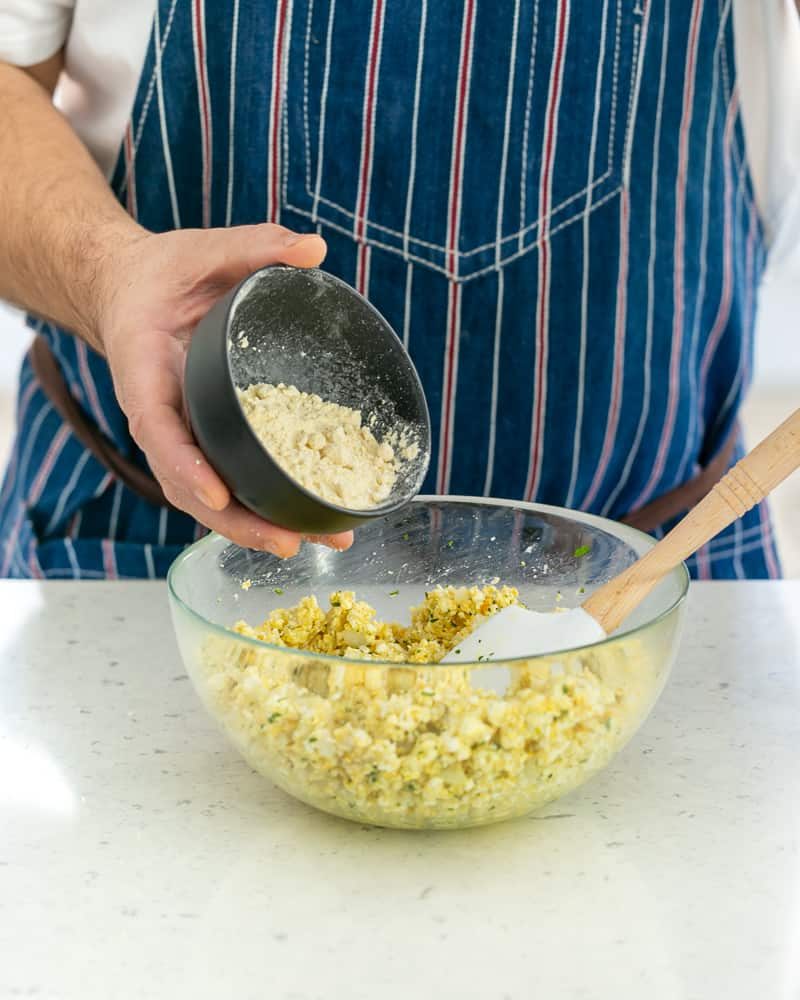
(517, 632)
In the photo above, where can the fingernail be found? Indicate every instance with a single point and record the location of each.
(294, 238)
(205, 499)
(276, 549)
(335, 542)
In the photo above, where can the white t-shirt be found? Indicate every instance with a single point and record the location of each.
(106, 42)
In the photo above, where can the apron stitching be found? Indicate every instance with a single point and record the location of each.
(687, 114)
(147, 100)
(542, 320)
(713, 115)
(524, 230)
(459, 140)
(724, 9)
(443, 249)
(274, 136)
(407, 305)
(412, 167)
(742, 369)
(232, 112)
(162, 118)
(474, 274)
(585, 266)
(506, 134)
(526, 128)
(498, 331)
(366, 154)
(612, 137)
(323, 112)
(498, 319)
(627, 144)
(283, 97)
(306, 125)
(644, 411)
(722, 316)
(203, 104)
(739, 146)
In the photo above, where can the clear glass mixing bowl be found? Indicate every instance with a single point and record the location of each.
(422, 746)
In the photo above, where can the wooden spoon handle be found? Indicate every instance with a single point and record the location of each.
(745, 485)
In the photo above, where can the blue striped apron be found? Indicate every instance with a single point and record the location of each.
(550, 202)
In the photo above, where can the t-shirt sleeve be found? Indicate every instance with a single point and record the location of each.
(33, 30)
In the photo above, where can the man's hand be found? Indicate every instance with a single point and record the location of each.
(152, 293)
(70, 253)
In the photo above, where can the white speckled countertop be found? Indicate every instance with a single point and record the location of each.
(139, 857)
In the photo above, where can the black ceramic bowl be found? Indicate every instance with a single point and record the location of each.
(312, 330)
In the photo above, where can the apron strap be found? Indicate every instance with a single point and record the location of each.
(46, 369)
(682, 498)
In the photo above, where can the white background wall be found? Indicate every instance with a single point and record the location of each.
(775, 394)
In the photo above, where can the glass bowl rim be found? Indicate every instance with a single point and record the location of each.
(594, 519)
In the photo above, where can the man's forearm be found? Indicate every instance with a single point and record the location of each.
(59, 221)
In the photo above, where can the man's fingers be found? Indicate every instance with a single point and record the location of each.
(304, 250)
(236, 523)
(244, 249)
(173, 455)
(191, 484)
(340, 542)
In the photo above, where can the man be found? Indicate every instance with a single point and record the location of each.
(550, 202)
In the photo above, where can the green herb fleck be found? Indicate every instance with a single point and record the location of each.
(457, 652)
(582, 550)
(565, 689)
(411, 786)
(450, 544)
(273, 717)
(427, 693)
(393, 593)
(312, 739)
(278, 590)
(373, 774)
(405, 536)
(336, 603)
(582, 590)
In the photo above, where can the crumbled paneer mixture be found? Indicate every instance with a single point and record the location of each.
(349, 627)
(423, 745)
(323, 445)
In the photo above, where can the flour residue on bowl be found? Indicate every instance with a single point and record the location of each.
(326, 447)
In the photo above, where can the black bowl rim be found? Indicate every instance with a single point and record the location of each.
(363, 514)
(594, 519)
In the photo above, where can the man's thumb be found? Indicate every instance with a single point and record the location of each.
(245, 249)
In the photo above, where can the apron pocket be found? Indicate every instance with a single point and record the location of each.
(456, 135)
